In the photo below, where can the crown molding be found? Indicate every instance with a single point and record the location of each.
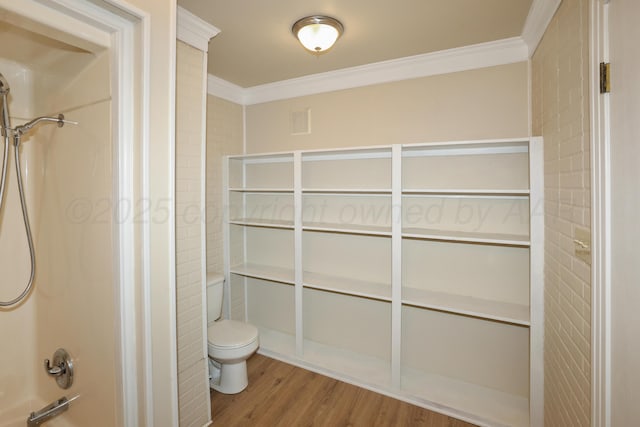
(226, 90)
(193, 30)
(540, 15)
(482, 55)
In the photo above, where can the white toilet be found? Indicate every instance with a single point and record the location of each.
(230, 343)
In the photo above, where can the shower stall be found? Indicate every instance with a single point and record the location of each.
(68, 186)
(72, 171)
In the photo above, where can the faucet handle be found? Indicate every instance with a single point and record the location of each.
(54, 371)
(61, 368)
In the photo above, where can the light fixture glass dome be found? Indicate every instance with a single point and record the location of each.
(317, 33)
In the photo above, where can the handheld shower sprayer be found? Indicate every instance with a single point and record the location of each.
(7, 131)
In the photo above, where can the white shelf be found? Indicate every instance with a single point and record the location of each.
(384, 191)
(489, 173)
(467, 192)
(465, 236)
(276, 344)
(268, 223)
(481, 405)
(283, 157)
(473, 147)
(359, 288)
(345, 365)
(347, 153)
(494, 310)
(477, 404)
(261, 190)
(265, 272)
(372, 230)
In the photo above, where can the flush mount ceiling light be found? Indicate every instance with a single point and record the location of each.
(317, 33)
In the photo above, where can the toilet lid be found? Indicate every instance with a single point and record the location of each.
(230, 333)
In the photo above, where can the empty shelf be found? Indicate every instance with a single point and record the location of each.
(258, 222)
(471, 306)
(375, 230)
(484, 405)
(341, 364)
(265, 272)
(342, 285)
(466, 236)
(347, 190)
(467, 192)
(262, 190)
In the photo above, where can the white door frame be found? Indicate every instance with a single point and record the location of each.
(118, 25)
(600, 222)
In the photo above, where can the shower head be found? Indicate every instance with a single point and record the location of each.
(59, 120)
(4, 85)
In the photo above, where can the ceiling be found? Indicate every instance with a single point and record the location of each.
(255, 45)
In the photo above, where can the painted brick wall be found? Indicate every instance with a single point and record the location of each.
(193, 390)
(225, 136)
(560, 100)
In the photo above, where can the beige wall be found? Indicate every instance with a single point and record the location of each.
(225, 136)
(560, 97)
(193, 390)
(484, 103)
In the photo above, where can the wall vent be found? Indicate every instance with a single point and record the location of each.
(301, 122)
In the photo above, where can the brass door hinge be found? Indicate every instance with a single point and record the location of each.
(605, 77)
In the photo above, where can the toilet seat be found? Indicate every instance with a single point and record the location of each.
(231, 334)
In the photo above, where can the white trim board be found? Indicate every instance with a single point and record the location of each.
(500, 52)
(540, 15)
(193, 30)
(226, 90)
(600, 220)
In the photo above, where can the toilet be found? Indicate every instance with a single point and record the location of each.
(230, 343)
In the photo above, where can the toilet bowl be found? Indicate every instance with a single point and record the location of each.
(230, 343)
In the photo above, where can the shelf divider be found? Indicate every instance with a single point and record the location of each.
(297, 239)
(396, 265)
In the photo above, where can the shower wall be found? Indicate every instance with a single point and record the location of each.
(70, 187)
(18, 326)
(76, 299)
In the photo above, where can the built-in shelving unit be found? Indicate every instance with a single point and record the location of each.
(413, 270)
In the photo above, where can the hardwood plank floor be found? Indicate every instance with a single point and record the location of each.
(280, 394)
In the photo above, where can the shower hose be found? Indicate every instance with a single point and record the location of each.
(23, 203)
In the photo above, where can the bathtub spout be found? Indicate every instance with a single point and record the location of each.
(45, 414)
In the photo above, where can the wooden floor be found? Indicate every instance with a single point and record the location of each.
(284, 395)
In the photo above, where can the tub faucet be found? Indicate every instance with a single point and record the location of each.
(45, 414)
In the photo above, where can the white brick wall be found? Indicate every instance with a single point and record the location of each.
(560, 99)
(193, 390)
(225, 136)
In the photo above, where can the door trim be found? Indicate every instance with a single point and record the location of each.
(600, 222)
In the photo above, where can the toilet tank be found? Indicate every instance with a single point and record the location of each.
(215, 283)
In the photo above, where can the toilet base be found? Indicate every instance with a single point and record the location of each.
(231, 378)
